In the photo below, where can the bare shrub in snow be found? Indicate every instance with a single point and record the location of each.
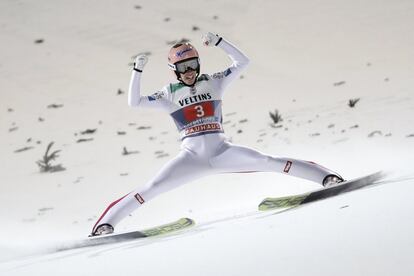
(339, 83)
(353, 102)
(45, 163)
(125, 151)
(23, 149)
(375, 133)
(276, 117)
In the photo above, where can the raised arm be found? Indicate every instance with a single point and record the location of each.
(238, 58)
(157, 100)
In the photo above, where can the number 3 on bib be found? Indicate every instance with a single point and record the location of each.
(197, 111)
(200, 111)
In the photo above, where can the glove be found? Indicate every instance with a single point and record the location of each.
(210, 39)
(140, 62)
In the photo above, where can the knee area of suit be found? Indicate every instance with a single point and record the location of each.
(270, 159)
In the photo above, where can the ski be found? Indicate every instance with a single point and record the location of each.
(289, 202)
(172, 227)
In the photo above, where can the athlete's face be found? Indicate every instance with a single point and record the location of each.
(189, 77)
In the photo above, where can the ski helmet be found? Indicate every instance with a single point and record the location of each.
(180, 53)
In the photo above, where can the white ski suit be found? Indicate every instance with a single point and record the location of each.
(204, 150)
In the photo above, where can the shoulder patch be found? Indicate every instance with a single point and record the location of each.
(156, 96)
(218, 75)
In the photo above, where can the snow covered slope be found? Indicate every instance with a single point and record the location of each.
(64, 72)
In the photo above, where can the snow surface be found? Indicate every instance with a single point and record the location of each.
(308, 58)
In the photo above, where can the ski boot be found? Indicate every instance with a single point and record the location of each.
(103, 229)
(332, 180)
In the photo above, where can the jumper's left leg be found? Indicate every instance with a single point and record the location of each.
(236, 158)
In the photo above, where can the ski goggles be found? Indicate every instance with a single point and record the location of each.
(184, 66)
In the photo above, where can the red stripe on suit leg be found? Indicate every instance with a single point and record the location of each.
(107, 210)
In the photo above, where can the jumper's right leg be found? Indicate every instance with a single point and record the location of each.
(178, 171)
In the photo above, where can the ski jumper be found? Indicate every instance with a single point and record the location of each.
(197, 114)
